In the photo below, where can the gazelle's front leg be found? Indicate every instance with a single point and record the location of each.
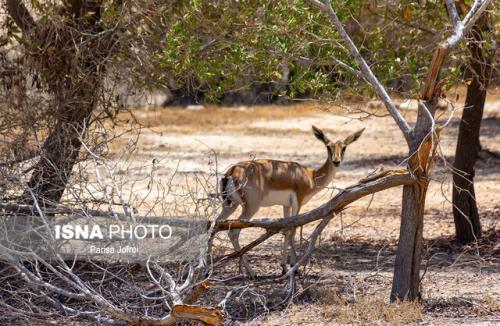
(234, 235)
(227, 210)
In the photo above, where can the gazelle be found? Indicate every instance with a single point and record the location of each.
(262, 183)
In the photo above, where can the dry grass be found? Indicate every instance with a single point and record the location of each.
(365, 309)
(486, 306)
(489, 305)
(328, 307)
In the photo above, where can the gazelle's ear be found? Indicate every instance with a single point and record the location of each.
(318, 133)
(352, 138)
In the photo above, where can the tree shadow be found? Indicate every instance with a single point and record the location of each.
(460, 306)
(360, 254)
(357, 254)
(490, 126)
(347, 261)
(365, 255)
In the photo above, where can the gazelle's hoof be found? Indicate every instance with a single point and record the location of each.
(284, 270)
(251, 275)
(248, 272)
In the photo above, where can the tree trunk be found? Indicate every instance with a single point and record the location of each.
(406, 278)
(50, 175)
(60, 153)
(73, 81)
(465, 213)
(406, 282)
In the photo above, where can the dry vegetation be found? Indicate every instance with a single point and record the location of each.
(348, 278)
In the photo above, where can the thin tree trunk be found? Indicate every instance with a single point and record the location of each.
(406, 277)
(465, 213)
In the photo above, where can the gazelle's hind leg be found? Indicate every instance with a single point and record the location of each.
(289, 239)
(234, 235)
(286, 241)
(293, 252)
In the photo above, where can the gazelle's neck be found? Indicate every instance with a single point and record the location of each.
(325, 173)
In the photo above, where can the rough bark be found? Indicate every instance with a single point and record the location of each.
(406, 281)
(60, 152)
(465, 212)
(406, 278)
(20, 14)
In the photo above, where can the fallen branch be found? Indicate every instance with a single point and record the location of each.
(186, 311)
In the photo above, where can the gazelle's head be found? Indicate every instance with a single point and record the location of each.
(336, 150)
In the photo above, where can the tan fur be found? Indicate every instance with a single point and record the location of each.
(255, 179)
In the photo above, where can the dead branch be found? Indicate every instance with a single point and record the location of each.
(185, 310)
(210, 316)
(384, 180)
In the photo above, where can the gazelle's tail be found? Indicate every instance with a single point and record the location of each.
(229, 192)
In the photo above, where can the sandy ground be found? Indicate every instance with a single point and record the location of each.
(354, 261)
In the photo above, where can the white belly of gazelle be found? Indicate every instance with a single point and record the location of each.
(279, 197)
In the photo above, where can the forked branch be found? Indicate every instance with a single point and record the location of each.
(428, 90)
